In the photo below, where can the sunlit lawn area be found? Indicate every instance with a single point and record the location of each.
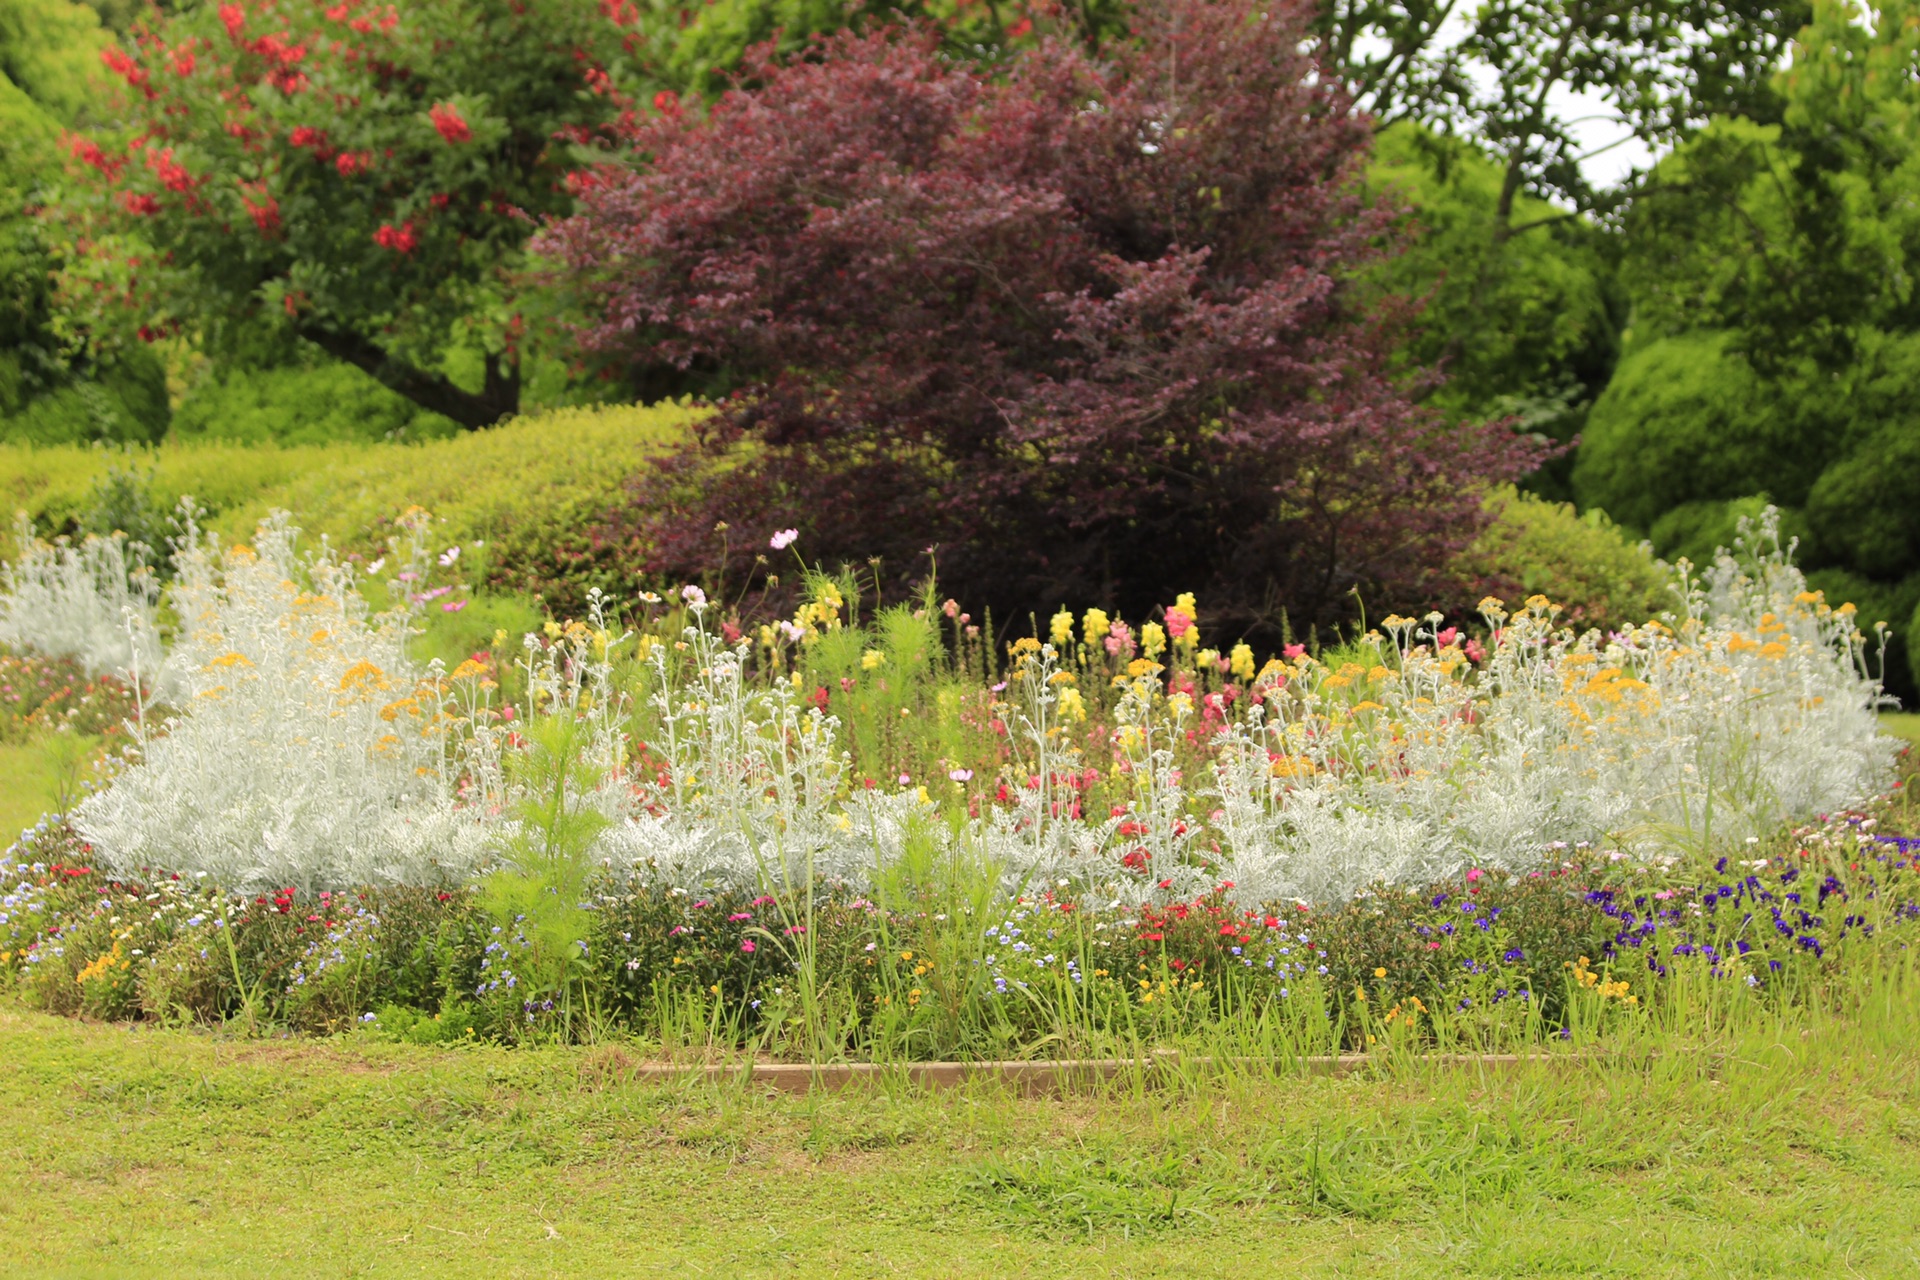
(1903, 724)
(149, 1152)
(26, 787)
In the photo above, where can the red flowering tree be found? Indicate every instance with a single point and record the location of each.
(362, 172)
(1086, 326)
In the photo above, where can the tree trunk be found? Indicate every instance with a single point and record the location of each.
(499, 398)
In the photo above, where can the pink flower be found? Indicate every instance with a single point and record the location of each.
(1447, 637)
(453, 606)
(783, 539)
(1294, 652)
(1475, 874)
(1179, 622)
(961, 775)
(746, 945)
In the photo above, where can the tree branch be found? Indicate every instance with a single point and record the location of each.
(498, 398)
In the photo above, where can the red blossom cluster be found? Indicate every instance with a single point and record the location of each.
(448, 122)
(400, 239)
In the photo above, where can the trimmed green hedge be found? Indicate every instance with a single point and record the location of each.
(533, 477)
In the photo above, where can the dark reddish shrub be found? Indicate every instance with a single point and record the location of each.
(1086, 327)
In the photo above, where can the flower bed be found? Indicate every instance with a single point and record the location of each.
(866, 830)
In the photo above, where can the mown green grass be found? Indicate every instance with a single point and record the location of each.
(1901, 724)
(1795, 1150)
(26, 787)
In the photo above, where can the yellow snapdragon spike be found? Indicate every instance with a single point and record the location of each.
(1095, 625)
(1060, 629)
(1241, 661)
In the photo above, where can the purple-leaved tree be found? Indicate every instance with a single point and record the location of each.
(1086, 326)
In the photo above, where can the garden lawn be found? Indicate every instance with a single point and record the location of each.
(148, 1152)
(1901, 724)
(26, 787)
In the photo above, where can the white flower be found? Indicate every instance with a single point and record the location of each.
(694, 596)
(448, 556)
(377, 565)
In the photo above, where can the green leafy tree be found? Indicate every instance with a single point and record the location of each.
(1526, 329)
(361, 177)
(65, 375)
(1776, 333)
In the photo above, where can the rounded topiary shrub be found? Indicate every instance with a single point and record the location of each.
(1585, 562)
(1865, 508)
(1685, 421)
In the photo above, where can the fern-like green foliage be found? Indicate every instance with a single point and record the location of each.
(538, 894)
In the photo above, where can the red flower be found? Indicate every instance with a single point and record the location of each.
(127, 69)
(265, 215)
(1019, 28)
(667, 102)
(139, 203)
(399, 239)
(350, 163)
(173, 175)
(234, 17)
(446, 119)
(88, 152)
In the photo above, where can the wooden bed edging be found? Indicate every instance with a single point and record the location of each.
(1041, 1076)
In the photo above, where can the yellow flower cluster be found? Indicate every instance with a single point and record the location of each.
(1604, 988)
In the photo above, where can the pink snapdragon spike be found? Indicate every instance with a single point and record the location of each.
(1294, 652)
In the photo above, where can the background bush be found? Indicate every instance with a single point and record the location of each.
(298, 404)
(1586, 562)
